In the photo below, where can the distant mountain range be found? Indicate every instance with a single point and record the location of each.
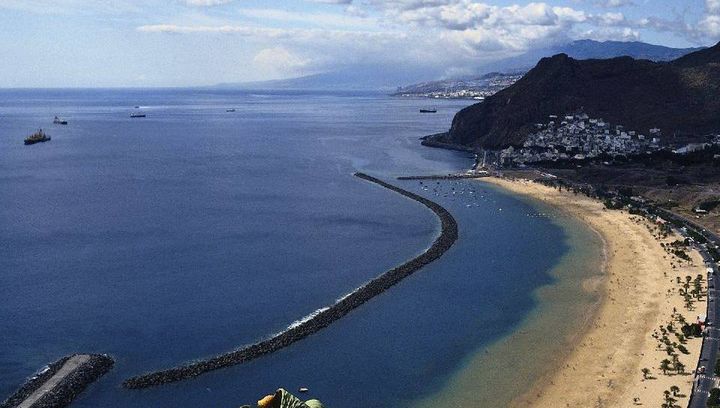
(388, 78)
(679, 97)
(359, 77)
(589, 49)
(506, 71)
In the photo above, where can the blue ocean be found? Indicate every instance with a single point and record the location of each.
(195, 231)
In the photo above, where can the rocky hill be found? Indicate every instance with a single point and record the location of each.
(679, 97)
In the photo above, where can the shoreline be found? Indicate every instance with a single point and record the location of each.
(565, 307)
(636, 296)
(620, 319)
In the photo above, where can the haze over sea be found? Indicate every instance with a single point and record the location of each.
(194, 231)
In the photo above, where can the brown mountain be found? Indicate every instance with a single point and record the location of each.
(680, 97)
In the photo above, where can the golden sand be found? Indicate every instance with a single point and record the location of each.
(639, 294)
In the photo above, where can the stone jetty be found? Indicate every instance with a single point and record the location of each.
(460, 176)
(58, 384)
(447, 237)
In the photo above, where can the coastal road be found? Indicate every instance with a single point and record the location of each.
(711, 342)
(705, 379)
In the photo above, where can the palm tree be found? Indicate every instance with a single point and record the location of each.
(680, 367)
(675, 390)
(665, 365)
(669, 400)
(645, 373)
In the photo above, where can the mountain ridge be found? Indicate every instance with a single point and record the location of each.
(678, 97)
(515, 66)
(590, 49)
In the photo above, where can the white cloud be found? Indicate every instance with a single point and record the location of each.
(615, 3)
(333, 20)
(615, 34)
(712, 6)
(444, 35)
(84, 7)
(710, 26)
(332, 1)
(206, 3)
(278, 62)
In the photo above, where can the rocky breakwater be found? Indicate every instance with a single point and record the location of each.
(447, 237)
(60, 382)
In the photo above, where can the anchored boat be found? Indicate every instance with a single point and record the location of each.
(37, 137)
(428, 110)
(137, 115)
(59, 121)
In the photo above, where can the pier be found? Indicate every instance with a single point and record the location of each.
(448, 236)
(57, 385)
(457, 176)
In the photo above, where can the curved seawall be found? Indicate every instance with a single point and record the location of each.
(448, 236)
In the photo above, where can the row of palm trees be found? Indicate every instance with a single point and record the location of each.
(670, 397)
(675, 365)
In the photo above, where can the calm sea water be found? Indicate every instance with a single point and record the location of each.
(194, 231)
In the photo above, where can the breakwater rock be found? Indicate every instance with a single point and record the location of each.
(447, 237)
(447, 176)
(63, 386)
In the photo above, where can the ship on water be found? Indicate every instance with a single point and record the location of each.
(59, 121)
(428, 110)
(37, 137)
(137, 115)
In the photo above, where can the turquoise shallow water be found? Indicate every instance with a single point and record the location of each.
(499, 372)
(194, 231)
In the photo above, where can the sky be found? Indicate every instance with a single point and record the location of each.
(138, 43)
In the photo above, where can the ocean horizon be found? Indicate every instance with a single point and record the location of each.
(194, 231)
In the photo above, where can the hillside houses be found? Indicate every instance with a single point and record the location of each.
(579, 137)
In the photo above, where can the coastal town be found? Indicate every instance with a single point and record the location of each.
(579, 137)
(474, 88)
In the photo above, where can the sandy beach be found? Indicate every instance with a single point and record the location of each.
(639, 294)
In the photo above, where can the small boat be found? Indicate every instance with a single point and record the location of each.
(37, 137)
(303, 389)
(137, 107)
(137, 115)
(59, 121)
(230, 110)
(428, 110)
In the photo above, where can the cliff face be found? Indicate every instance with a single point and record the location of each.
(678, 97)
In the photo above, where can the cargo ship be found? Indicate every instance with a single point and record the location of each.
(59, 121)
(37, 137)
